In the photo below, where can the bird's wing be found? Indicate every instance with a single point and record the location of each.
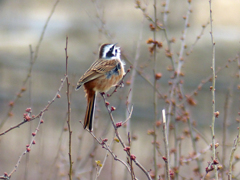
(97, 69)
(104, 66)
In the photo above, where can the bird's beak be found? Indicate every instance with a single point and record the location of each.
(115, 44)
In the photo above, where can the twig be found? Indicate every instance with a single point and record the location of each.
(130, 160)
(204, 81)
(197, 39)
(30, 105)
(129, 116)
(189, 159)
(60, 140)
(226, 110)
(133, 75)
(40, 115)
(155, 98)
(120, 139)
(201, 135)
(42, 111)
(238, 60)
(69, 116)
(23, 89)
(234, 148)
(105, 146)
(102, 165)
(110, 37)
(165, 30)
(194, 144)
(28, 148)
(120, 84)
(146, 79)
(165, 138)
(143, 169)
(178, 68)
(58, 151)
(213, 92)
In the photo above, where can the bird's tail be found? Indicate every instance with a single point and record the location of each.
(89, 116)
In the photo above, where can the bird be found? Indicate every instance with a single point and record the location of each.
(103, 74)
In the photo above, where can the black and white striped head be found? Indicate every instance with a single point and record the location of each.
(109, 51)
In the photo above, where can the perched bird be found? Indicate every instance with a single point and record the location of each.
(103, 74)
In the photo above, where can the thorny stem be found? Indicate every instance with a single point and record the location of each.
(213, 92)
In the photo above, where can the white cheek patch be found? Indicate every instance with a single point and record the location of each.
(117, 52)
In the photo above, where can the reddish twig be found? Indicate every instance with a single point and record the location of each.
(23, 88)
(28, 148)
(116, 126)
(41, 112)
(28, 119)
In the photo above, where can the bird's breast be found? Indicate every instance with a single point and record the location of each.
(111, 78)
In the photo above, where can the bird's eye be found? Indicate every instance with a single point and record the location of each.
(116, 51)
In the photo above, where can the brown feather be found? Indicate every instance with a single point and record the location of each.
(96, 70)
(89, 115)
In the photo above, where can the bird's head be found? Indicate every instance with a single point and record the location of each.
(109, 51)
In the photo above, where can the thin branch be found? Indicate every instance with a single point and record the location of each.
(192, 158)
(120, 84)
(155, 98)
(197, 39)
(234, 148)
(238, 60)
(42, 111)
(116, 126)
(28, 147)
(165, 138)
(69, 116)
(226, 111)
(129, 116)
(204, 81)
(102, 165)
(23, 89)
(105, 146)
(213, 92)
(133, 75)
(30, 105)
(28, 119)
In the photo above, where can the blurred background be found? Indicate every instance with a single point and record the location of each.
(21, 25)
